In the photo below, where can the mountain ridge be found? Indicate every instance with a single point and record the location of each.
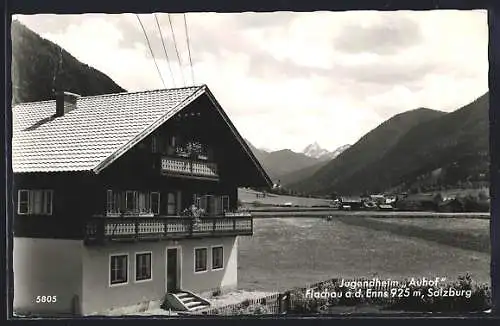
(41, 67)
(404, 150)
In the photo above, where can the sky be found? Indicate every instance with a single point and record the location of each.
(289, 79)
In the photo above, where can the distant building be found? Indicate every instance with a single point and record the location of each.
(452, 205)
(417, 202)
(377, 199)
(385, 207)
(351, 202)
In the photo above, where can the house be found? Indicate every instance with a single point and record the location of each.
(385, 207)
(351, 202)
(378, 199)
(451, 205)
(417, 202)
(105, 189)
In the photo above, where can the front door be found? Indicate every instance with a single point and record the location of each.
(172, 270)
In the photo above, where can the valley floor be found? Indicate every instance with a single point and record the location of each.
(288, 252)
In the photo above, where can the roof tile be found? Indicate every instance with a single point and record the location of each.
(86, 136)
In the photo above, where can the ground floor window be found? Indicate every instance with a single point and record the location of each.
(118, 269)
(200, 259)
(217, 257)
(143, 266)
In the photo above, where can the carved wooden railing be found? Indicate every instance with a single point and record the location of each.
(187, 167)
(104, 228)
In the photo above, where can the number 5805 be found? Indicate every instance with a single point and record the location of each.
(46, 299)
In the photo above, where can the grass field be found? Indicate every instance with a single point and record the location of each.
(289, 252)
(249, 196)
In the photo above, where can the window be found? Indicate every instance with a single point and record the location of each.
(130, 200)
(118, 269)
(143, 266)
(154, 144)
(217, 257)
(155, 203)
(171, 204)
(113, 202)
(35, 202)
(225, 203)
(142, 202)
(23, 202)
(200, 260)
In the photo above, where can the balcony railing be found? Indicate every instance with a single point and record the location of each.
(187, 167)
(100, 229)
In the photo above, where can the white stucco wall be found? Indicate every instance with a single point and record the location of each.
(50, 268)
(67, 269)
(98, 295)
(226, 278)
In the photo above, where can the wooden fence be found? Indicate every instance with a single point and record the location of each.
(270, 304)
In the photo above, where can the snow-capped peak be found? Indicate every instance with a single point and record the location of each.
(315, 150)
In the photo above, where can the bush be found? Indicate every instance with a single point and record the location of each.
(479, 300)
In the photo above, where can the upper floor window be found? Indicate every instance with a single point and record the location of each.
(34, 202)
(132, 201)
(225, 203)
(171, 204)
(155, 203)
(212, 204)
(154, 144)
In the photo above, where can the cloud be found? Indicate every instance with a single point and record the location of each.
(388, 35)
(288, 79)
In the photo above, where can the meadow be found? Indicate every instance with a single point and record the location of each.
(289, 252)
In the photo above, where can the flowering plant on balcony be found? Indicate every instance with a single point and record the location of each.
(194, 150)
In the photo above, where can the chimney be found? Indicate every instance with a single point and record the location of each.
(65, 102)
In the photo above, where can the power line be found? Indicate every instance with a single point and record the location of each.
(189, 48)
(150, 49)
(165, 49)
(176, 50)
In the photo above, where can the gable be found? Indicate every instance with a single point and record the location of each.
(102, 129)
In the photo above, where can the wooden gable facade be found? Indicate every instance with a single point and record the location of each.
(195, 157)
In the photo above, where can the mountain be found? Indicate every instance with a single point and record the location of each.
(343, 174)
(304, 173)
(282, 162)
(260, 154)
(420, 150)
(315, 150)
(285, 161)
(39, 67)
(295, 176)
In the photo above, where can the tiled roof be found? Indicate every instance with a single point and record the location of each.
(98, 130)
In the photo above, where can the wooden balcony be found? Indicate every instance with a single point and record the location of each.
(102, 229)
(189, 168)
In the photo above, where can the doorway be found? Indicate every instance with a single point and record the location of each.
(173, 270)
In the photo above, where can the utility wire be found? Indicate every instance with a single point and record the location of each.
(176, 50)
(165, 50)
(189, 48)
(150, 49)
